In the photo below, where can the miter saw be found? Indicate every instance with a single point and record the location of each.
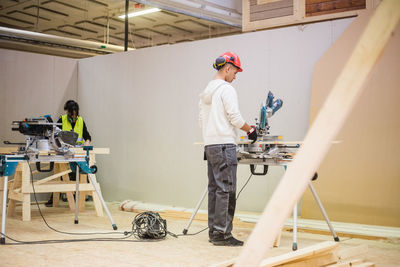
(268, 149)
(45, 142)
(42, 134)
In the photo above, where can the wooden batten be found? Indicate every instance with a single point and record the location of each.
(324, 253)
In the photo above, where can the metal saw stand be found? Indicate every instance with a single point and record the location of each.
(294, 245)
(76, 220)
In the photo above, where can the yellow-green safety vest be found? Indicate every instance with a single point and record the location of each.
(66, 126)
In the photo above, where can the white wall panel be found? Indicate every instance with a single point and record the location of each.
(33, 85)
(143, 104)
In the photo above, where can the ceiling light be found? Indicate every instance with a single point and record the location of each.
(139, 13)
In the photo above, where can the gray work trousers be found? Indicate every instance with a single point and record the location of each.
(222, 167)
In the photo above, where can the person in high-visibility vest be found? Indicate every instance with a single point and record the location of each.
(73, 122)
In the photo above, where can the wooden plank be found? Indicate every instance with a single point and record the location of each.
(26, 197)
(334, 11)
(56, 196)
(26, 177)
(245, 13)
(70, 197)
(335, 3)
(366, 264)
(8, 149)
(15, 196)
(271, 6)
(310, 2)
(315, 260)
(46, 188)
(301, 254)
(311, 251)
(334, 6)
(261, 2)
(15, 183)
(82, 194)
(26, 207)
(45, 180)
(347, 263)
(299, 9)
(96, 150)
(332, 116)
(274, 13)
(359, 252)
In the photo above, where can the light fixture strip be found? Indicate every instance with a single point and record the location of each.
(139, 13)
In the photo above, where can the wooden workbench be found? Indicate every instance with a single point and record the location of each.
(20, 188)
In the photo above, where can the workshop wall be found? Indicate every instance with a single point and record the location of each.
(360, 177)
(33, 85)
(143, 104)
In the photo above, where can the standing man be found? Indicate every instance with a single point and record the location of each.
(219, 118)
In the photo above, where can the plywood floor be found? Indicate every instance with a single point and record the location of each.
(182, 251)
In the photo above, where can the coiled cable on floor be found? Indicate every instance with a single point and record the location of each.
(149, 225)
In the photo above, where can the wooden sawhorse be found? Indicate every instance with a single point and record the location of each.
(20, 188)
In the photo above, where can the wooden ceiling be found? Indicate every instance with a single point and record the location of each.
(97, 20)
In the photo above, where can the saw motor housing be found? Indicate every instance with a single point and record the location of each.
(41, 134)
(45, 142)
(267, 150)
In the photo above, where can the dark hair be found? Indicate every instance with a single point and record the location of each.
(71, 106)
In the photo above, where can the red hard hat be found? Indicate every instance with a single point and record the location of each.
(228, 57)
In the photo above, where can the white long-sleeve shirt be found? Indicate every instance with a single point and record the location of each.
(219, 113)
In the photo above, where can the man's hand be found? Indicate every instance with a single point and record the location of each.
(252, 134)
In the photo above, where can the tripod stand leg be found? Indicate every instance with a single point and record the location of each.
(4, 214)
(195, 211)
(294, 245)
(77, 178)
(102, 201)
(335, 237)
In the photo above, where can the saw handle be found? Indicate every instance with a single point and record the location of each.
(42, 170)
(253, 169)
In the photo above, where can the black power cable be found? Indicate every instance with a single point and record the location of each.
(44, 220)
(143, 227)
(146, 226)
(248, 179)
(150, 225)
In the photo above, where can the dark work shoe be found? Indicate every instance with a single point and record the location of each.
(63, 197)
(210, 235)
(229, 242)
(49, 203)
(216, 236)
